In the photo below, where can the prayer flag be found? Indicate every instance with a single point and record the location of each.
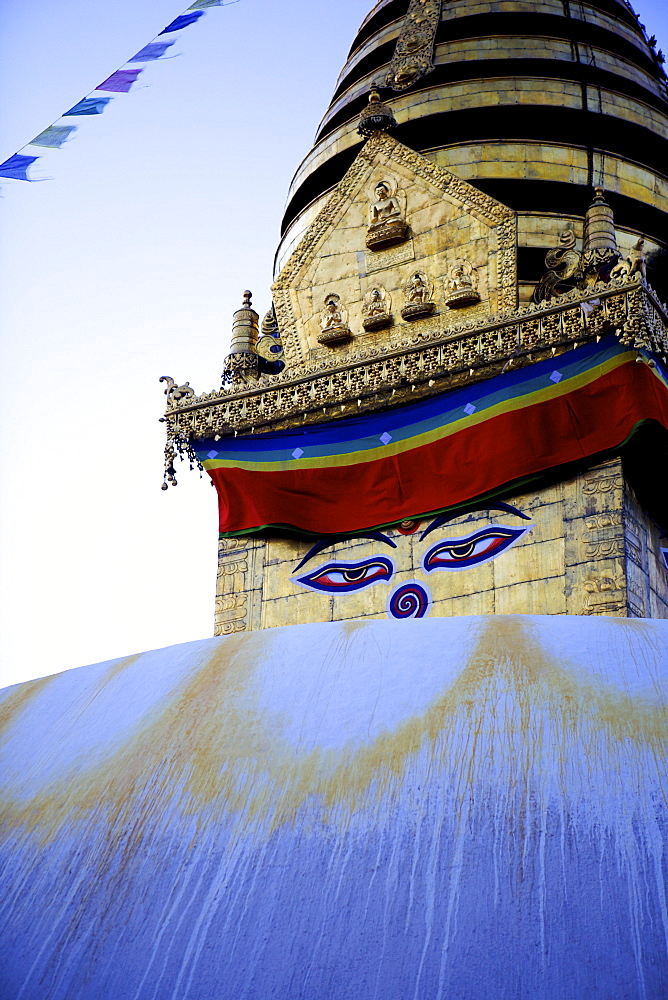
(154, 50)
(199, 4)
(181, 22)
(377, 469)
(54, 136)
(120, 81)
(88, 106)
(16, 167)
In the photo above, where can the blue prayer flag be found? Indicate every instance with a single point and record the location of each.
(154, 50)
(120, 81)
(16, 167)
(54, 136)
(181, 22)
(89, 106)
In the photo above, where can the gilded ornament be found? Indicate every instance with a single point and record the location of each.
(501, 218)
(596, 265)
(461, 285)
(244, 327)
(241, 364)
(175, 393)
(634, 263)
(418, 292)
(240, 368)
(386, 223)
(378, 372)
(376, 309)
(333, 322)
(564, 263)
(606, 595)
(269, 347)
(376, 116)
(414, 52)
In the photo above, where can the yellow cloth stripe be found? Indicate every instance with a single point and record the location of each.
(428, 437)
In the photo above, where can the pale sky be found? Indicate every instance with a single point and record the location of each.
(125, 266)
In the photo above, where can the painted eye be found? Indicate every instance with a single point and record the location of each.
(338, 577)
(460, 553)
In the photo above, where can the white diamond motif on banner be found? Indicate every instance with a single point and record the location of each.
(297, 453)
(385, 437)
(469, 408)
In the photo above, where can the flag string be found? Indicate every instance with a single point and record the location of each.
(56, 135)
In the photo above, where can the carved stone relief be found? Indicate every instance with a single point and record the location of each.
(603, 543)
(603, 484)
(232, 586)
(380, 260)
(605, 595)
(607, 520)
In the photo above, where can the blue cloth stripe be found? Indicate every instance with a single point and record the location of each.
(363, 433)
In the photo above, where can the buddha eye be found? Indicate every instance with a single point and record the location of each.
(339, 577)
(460, 553)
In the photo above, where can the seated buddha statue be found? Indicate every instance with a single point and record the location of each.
(386, 223)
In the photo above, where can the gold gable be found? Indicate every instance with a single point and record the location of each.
(454, 235)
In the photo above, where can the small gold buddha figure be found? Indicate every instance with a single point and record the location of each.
(333, 322)
(461, 285)
(376, 309)
(418, 293)
(386, 223)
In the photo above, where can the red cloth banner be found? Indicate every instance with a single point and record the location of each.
(532, 436)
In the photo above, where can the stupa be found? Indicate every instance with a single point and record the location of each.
(468, 288)
(424, 755)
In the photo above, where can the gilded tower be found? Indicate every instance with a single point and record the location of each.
(535, 104)
(456, 402)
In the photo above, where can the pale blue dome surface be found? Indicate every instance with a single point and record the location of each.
(466, 808)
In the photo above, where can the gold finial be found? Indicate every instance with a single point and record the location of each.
(244, 327)
(599, 229)
(376, 117)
